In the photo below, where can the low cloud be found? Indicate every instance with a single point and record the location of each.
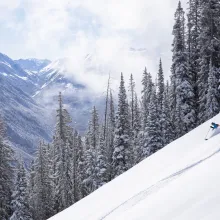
(102, 31)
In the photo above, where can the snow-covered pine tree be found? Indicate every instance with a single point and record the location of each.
(74, 158)
(92, 141)
(52, 154)
(122, 148)
(160, 94)
(30, 190)
(6, 175)
(94, 129)
(166, 120)
(80, 165)
(42, 208)
(172, 100)
(88, 175)
(146, 94)
(193, 49)
(110, 134)
(209, 46)
(137, 131)
(89, 180)
(102, 161)
(160, 86)
(212, 105)
(148, 85)
(131, 100)
(63, 129)
(106, 108)
(183, 87)
(51, 180)
(64, 196)
(153, 134)
(63, 141)
(132, 116)
(20, 206)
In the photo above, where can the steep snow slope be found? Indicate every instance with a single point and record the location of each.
(179, 182)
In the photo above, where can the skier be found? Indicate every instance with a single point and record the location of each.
(214, 125)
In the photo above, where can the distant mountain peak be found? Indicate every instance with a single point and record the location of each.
(32, 64)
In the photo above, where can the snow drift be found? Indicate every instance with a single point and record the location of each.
(179, 182)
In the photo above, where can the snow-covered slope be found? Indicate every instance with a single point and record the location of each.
(179, 182)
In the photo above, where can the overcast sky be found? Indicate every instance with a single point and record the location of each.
(107, 29)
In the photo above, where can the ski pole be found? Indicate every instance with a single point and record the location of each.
(207, 134)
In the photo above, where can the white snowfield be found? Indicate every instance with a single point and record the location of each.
(181, 182)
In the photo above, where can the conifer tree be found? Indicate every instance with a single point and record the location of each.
(132, 97)
(146, 97)
(6, 175)
(137, 131)
(146, 93)
(193, 33)
(160, 86)
(74, 158)
(86, 170)
(172, 99)
(20, 204)
(133, 135)
(106, 109)
(166, 119)
(42, 185)
(183, 86)
(209, 46)
(30, 191)
(178, 123)
(160, 95)
(94, 129)
(64, 189)
(80, 166)
(92, 142)
(102, 162)
(153, 134)
(110, 134)
(212, 105)
(89, 180)
(122, 148)
(62, 143)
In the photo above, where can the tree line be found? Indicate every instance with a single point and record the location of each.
(73, 166)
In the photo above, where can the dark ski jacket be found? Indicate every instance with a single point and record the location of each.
(214, 125)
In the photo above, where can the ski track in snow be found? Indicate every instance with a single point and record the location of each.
(144, 193)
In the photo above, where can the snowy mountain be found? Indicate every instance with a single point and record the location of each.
(25, 118)
(179, 182)
(16, 75)
(32, 65)
(55, 74)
